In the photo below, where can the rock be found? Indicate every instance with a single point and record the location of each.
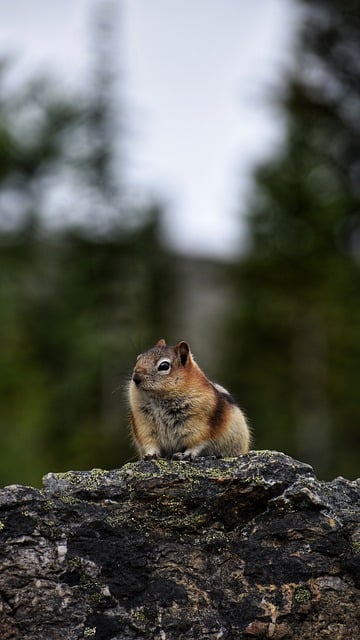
(249, 547)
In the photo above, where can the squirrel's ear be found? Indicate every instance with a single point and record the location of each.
(161, 343)
(182, 350)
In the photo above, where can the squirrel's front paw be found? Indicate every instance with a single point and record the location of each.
(184, 455)
(151, 455)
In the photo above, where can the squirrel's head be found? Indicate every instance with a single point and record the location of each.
(163, 368)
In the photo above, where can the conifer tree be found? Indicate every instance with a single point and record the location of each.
(295, 323)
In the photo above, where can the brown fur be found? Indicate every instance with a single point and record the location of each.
(177, 412)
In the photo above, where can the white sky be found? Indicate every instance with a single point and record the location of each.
(196, 79)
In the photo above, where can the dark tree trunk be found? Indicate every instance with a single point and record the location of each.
(252, 547)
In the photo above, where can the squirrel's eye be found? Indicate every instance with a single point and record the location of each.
(164, 365)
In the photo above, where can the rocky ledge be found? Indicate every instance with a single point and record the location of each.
(249, 547)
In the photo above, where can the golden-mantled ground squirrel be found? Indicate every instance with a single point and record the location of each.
(176, 412)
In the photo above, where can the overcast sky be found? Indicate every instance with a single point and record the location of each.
(196, 79)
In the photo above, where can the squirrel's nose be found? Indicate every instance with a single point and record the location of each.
(137, 378)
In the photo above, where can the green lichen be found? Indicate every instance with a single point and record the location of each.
(95, 476)
(117, 520)
(302, 595)
(139, 615)
(51, 523)
(162, 464)
(48, 505)
(355, 546)
(71, 477)
(97, 598)
(88, 582)
(265, 452)
(182, 469)
(95, 591)
(74, 563)
(68, 500)
(2, 525)
(89, 481)
(89, 632)
(214, 536)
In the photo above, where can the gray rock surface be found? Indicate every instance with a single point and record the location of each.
(250, 547)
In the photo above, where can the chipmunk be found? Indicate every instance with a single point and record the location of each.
(176, 412)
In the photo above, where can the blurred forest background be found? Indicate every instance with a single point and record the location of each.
(280, 325)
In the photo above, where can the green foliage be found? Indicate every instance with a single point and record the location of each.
(75, 313)
(295, 323)
(77, 304)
